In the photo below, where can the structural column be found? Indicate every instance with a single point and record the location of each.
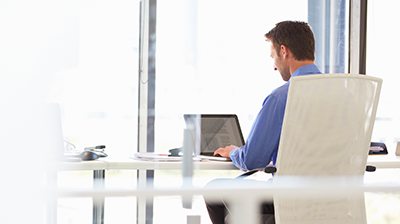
(146, 106)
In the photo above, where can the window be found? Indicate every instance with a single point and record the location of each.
(98, 91)
(212, 57)
(381, 63)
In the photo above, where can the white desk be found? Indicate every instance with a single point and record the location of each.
(111, 163)
(384, 161)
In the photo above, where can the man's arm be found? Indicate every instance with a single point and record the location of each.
(263, 140)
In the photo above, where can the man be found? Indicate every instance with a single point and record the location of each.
(292, 49)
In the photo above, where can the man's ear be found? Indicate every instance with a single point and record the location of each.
(284, 51)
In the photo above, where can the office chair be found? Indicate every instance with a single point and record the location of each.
(326, 132)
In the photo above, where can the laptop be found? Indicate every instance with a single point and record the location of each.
(214, 131)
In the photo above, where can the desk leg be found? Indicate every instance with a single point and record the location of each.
(52, 200)
(98, 203)
(145, 205)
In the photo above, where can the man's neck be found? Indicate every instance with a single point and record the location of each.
(297, 64)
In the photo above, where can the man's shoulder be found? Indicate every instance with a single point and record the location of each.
(280, 91)
(278, 95)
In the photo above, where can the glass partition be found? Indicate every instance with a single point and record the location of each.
(82, 54)
(381, 33)
(97, 89)
(212, 57)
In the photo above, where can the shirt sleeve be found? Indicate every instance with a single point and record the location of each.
(263, 140)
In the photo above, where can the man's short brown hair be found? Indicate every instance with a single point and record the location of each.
(295, 35)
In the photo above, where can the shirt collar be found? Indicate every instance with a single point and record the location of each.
(306, 70)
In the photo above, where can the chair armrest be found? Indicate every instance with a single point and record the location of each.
(248, 173)
(370, 168)
(270, 169)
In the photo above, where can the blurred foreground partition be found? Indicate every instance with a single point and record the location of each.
(31, 145)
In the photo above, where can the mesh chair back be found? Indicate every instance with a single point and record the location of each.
(326, 131)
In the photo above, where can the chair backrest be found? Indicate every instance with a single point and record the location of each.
(326, 131)
(328, 124)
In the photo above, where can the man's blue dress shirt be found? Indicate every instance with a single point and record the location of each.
(262, 143)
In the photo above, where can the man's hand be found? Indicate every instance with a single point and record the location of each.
(224, 152)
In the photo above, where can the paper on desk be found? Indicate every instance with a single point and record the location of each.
(159, 157)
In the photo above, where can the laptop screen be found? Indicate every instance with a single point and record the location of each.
(215, 131)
